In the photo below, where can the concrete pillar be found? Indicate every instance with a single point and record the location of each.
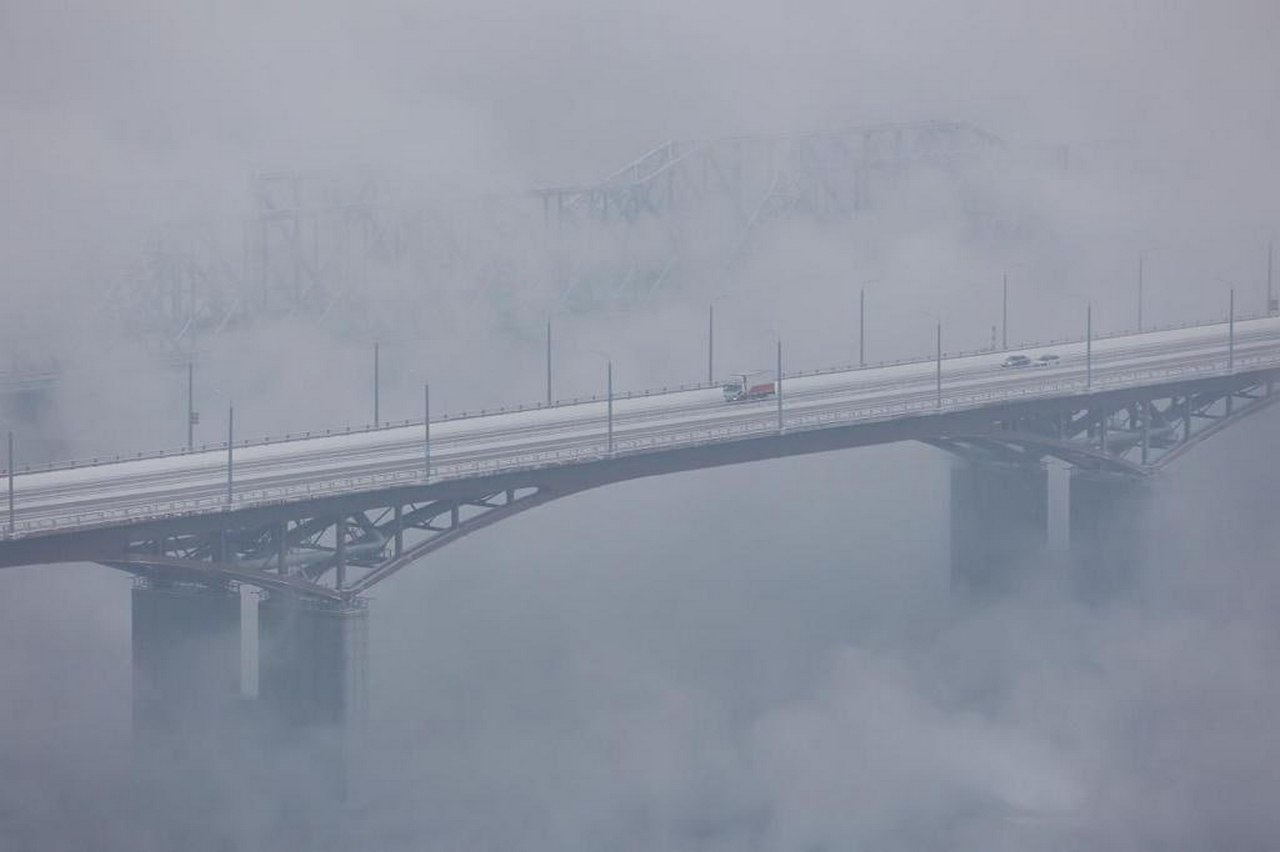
(186, 656)
(1108, 511)
(999, 523)
(313, 662)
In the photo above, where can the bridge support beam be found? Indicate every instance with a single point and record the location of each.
(1001, 518)
(999, 521)
(1106, 531)
(186, 656)
(313, 661)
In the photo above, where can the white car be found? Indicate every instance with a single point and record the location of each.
(1016, 361)
(1048, 359)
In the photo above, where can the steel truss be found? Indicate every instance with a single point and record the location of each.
(1132, 434)
(324, 556)
(820, 173)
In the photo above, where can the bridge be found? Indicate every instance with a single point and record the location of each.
(318, 520)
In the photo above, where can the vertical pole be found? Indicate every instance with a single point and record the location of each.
(282, 535)
(1088, 346)
(340, 531)
(11, 526)
(1146, 429)
(1270, 296)
(231, 429)
(609, 380)
(862, 327)
(711, 344)
(399, 522)
(1004, 315)
(376, 383)
(1186, 418)
(1231, 332)
(1140, 259)
(548, 362)
(426, 432)
(191, 406)
(779, 388)
(939, 404)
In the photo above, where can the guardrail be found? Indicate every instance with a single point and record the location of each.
(409, 471)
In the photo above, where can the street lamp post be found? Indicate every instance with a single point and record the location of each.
(1231, 331)
(939, 362)
(1272, 307)
(1141, 256)
(862, 327)
(711, 344)
(609, 380)
(1088, 346)
(548, 362)
(426, 432)
(862, 321)
(1004, 315)
(192, 418)
(12, 529)
(376, 383)
(231, 429)
(779, 388)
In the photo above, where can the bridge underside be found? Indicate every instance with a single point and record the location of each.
(337, 548)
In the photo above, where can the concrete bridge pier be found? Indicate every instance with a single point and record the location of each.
(999, 521)
(313, 661)
(1005, 517)
(186, 657)
(1107, 515)
(313, 681)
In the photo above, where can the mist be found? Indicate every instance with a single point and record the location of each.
(766, 656)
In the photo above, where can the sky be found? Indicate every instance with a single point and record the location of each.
(765, 657)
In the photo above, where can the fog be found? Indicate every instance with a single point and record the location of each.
(766, 656)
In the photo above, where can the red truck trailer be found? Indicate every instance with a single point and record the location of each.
(747, 386)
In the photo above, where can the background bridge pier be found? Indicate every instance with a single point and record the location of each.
(313, 681)
(313, 661)
(999, 521)
(186, 656)
(1107, 512)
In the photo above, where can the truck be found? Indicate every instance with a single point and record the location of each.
(747, 386)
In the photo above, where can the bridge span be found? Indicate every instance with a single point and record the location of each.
(327, 517)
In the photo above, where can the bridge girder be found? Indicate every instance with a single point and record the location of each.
(1136, 435)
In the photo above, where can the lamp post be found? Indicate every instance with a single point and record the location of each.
(939, 370)
(376, 383)
(711, 344)
(608, 398)
(548, 362)
(12, 529)
(1088, 346)
(426, 432)
(862, 321)
(192, 417)
(779, 388)
(1004, 314)
(231, 429)
(937, 318)
(1272, 307)
(1231, 331)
